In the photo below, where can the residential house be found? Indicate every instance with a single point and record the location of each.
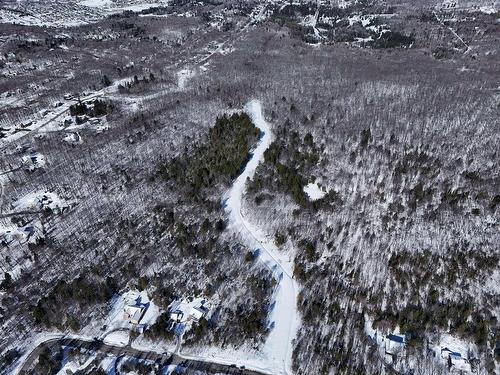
(454, 358)
(394, 343)
(134, 313)
(176, 316)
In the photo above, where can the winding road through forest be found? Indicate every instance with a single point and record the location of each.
(278, 347)
(284, 320)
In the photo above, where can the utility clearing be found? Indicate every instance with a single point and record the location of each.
(277, 350)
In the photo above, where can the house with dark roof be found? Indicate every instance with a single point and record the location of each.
(453, 357)
(394, 343)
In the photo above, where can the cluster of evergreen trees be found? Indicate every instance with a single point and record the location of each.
(218, 160)
(52, 310)
(97, 108)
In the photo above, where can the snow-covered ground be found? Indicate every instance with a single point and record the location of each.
(71, 13)
(158, 346)
(116, 318)
(117, 338)
(459, 352)
(313, 191)
(489, 9)
(41, 200)
(183, 76)
(75, 364)
(277, 351)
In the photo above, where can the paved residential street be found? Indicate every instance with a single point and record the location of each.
(162, 359)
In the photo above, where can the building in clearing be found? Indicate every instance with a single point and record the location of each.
(33, 161)
(196, 313)
(183, 311)
(134, 313)
(394, 343)
(454, 358)
(176, 316)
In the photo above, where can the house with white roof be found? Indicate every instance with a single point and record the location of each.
(184, 311)
(33, 161)
(176, 316)
(133, 313)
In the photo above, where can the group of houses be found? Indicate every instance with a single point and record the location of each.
(453, 357)
(183, 313)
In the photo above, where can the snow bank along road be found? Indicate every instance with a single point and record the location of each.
(284, 317)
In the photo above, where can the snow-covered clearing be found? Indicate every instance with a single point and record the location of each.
(451, 349)
(313, 191)
(41, 200)
(117, 338)
(488, 9)
(158, 346)
(183, 76)
(117, 319)
(277, 351)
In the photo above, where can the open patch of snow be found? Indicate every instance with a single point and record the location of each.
(488, 9)
(117, 338)
(243, 356)
(158, 346)
(364, 20)
(183, 76)
(96, 3)
(41, 200)
(313, 191)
